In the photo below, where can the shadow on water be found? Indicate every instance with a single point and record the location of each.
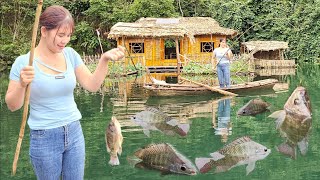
(212, 121)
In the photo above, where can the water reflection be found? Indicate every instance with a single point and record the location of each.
(223, 126)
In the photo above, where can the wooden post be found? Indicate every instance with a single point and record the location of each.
(178, 56)
(27, 93)
(125, 64)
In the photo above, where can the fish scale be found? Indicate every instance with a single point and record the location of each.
(236, 146)
(239, 152)
(166, 158)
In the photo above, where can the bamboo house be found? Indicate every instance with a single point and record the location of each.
(169, 42)
(267, 54)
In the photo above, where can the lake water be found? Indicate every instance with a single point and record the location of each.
(208, 131)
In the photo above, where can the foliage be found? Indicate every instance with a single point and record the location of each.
(196, 68)
(296, 22)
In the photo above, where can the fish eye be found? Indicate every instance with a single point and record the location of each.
(243, 112)
(265, 150)
(183, 168)
(296, 101)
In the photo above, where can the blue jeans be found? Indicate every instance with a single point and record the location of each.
(223, 71)
(58, 152)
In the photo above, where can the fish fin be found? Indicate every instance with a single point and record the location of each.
(120, 145)
(108, 149)
(216, 156)
(303, 146)
(146, 132)
(114, 161)
(276, 114)
(133, 160)
(279, 116)
(203, 164)
(173, 122)
(286, 149)
(140, 165)
(250, 167)
(164, 173)
(120, 150)
(306, 120)
(184, 127)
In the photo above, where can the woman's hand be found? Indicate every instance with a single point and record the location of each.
(26, 75)
(114, 54)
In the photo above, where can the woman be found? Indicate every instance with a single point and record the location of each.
(57, 146)
(223, 55)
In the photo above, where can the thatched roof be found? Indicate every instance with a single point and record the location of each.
(265, 45)
(169, 27)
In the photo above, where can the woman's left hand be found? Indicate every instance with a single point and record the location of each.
(114, 54)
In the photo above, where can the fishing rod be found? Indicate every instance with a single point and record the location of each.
(230, 48)
(27, 93)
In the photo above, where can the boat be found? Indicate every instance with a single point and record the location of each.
(184, 88)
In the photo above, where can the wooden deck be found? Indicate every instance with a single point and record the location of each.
(183, 89)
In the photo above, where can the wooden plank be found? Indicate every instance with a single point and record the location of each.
(211, 88)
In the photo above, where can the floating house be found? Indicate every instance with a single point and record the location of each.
(170, 42)
(267, 54)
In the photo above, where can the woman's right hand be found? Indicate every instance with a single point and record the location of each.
(26, 75)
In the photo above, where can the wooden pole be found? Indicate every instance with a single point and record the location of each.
(211, 88)
(178, 56)
(27, 94)
(98, 34)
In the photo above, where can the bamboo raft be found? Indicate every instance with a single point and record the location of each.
(187, 88)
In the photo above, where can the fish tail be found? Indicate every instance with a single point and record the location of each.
(203, 164)
(114, 161)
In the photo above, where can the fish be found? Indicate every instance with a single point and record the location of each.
(253, 107)
(152, 119)
(241, 151)
(294, 123)
(114, 140)
(164, 157)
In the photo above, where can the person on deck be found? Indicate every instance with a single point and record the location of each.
(223, 55)
(57, 148)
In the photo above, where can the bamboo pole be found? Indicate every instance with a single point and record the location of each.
(27, 94)
(178, 57)
(211, 88)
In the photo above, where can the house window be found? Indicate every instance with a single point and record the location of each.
(136, 47)
(207, 46)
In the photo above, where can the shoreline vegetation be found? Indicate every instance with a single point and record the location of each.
(293, 22)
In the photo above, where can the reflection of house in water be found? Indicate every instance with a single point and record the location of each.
(267, 54)
(275, 71)
(155, 42)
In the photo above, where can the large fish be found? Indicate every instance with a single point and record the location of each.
(114, 139)
(294, 123)
(154, 119)
(253, 107)
(166, 158)
(241, 151)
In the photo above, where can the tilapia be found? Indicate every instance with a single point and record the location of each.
(154, 119)
(241, 151)
(166, 158)
(253, 107)
(294, 123)
(114, 140)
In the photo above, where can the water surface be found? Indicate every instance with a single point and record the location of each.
(125, 97)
